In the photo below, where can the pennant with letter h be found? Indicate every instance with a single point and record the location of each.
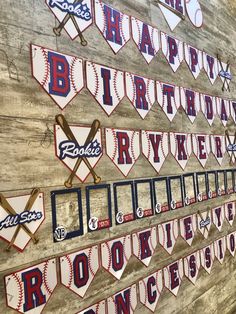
(191, 103)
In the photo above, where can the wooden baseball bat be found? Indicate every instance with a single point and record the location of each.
(60, 119)
(228, 138)
(28, 206)
(180, 15)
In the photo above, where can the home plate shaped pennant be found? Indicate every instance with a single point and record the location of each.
(60, 75)
(146, 38)
(201, 147)
(141, 93)
(79, 148)
(192, 265)
(124, 301)
(173, 50)
(210, 65)
(218, 216)
(220, 249)
(98, 308)
(150, 289)
(173, 275)
(173, 12)
(181, 147)
(223, 109)
(207, 257)
(230, 212)
(123, 148)
(116, 254)
(28, 290)
(218, 147)
(155, 147)
(188, 228)
(168, 233)
(79, 269)
(190, 101)
(204, 223)
(113, 24)
(20, 218)
(74, 16)
(231, 243)
(194, 60)
(208, 104)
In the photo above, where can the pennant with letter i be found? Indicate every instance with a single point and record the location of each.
(173, 11)
(188, 227)
(168, 233)
(220, 249)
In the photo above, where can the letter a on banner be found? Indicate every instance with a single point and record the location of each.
(192, 265)
(124, 301)
(173, 50)
(116, 254)
(155, 148)
(201, 147)
(29, 290)
(98, 308)
(194, 59)
(211, 67)
(106, 85)
(188, 227)
(231, 243)
(191, 103)
(223, 110)
(144, 244)
(181, 147)
(220, 249)
(208, 104)
(146, 38)
(172, 18)
(141, 93)
(113, 24)
(168, 233)
(79, 269)
(123, 148)
(150, 289)
(60, 75)
(173, 275)
(218, 147)
(207, 257)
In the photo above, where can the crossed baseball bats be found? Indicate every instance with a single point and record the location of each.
(8, 208)
(200, 214)
(222, 69)
(57, 30)
(60, 119)
(228, 138)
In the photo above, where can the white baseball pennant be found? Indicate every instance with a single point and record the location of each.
(204, 223)
(155, 147)
(220, 249)
(223, 109)
(173, 50)
(60, 75)
(115, 255)
(146, 38)
(231, 243)
(168, 97)
(232, 104)
(225, 74)
(141, 93)
(123, 148)
(190, 101)
(106, 85)
(124, 301)
(192, 265)
(173, 275)
(144, 244)
(230, 212)
(79, 269)
(218, 216)
(98, 308)
(150, 289)
(168, 233)
(207, 257)
(28, 290)
(208, 105)
(181, 147)
(113, 24)
(80, 10)
(172, 18)
(188, 228)
(194, 12)
(201, 147)
(194, 60)
(210, 65)
(218, 147)
(230, 141)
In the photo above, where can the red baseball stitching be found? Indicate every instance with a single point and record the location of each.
(71, 270)
(20, 290)
(139, 33)
(97, 308)
(151, 244)
(115, 85)
(72, 73)
(149, 146)
(125, 256)
(99, 2)
(152, 40)
(121, 27)
(148, 93)
(132, 146)
(145, 294)
(45, 269)
(46, 75)
(157, 286)
(89, 260)
(134, 91)
(131, 306)
(116, 145)
(109, 255)
(95, 93)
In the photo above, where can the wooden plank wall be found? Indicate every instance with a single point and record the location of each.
(27, 150)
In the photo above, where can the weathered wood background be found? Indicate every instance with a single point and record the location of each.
(27, 151)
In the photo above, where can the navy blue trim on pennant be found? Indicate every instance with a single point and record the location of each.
(219, 193)
(170, 180)
(74, 233)
(116, 205)
(201, 197)
(214, 194)
(191, 201)
(136, 182)
(89, 189)
(154, 182)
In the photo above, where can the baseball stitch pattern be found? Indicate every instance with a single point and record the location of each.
(72, 73)
(95, 93)
(149, 145)
(180, 45)
(70, 272)
(109, 255)
(134, 91)
(136, 235)
(175, 234)
(45, 280)
(161, 230)
(139, 33)
(123, 243)
(151, 241)
(145, 294)
(132, 146)
(131, 306)
(103, 18)
(20, 290)
(150, 103)
(115, 85)
(93, 271)
(115, 143)
(121, 27)
(97, 308)
(152, 39)
(162, 144)
(47, 70)
(157, 286)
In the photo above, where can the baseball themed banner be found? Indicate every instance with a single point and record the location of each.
(168, 233)
(74, 16)
(98, 308)
(168, 97)
(230, 146)
(230, 212)
(144, 244)
(173, 50)
(123, 302)
(29, 290)
(190, 101)
(192, 265)
(207, 257)
(194, 12)
(232, 105)
(201, 147)
(223, 109)
(208, 104)
(113, 25)
(115, 255)
(79, 269)
(173, 275)
(155, 147)
(181, 147)
(193, 58)
(146, 39)
(106, 85)
(218, 216)
(225, 74)
(218, 147)
(150, 289)
(173, 12)
(204, 222)
(220, 249)
(188, 228)
(20, 218)
(210, 65)
(60, 75)
(141, 93)
(231, 243)
(123, 148)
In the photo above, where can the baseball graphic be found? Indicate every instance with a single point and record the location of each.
(207, 257)
(190, 271)
(168, 233)
(220, 249)
(190, 223)
(204, 223)
(231, 243)
(98, 308)
(186, 96)
(179, 271)
(112, 306)
(201, 147)
(194, 59)
(183, 139)
(194, 12)
(213, 70)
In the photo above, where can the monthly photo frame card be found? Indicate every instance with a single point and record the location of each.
(143, 198)
(221, 183)
(189, 189)
(175, 192)
(201, 186)
(160, 194)
(229, 178)
(211, 184)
